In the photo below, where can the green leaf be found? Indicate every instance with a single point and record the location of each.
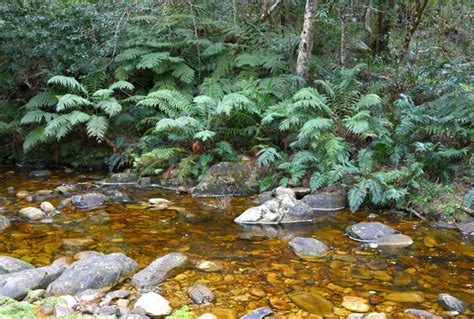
(357, 195)
(33, 138)
(184, 72)
(122, 85)
(110, 106)
(204, 135)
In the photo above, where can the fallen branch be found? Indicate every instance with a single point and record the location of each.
(414, 212)
(467, 210)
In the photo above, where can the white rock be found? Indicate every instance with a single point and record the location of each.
(32, 213)
(159, 201)
(207, 316)
(153, 304)
(64, 306)
(47, 207)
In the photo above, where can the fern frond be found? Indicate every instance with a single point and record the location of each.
(68, 101)
(34, 138)
(122, 85)
(110, 106)
(184, 73)
(97, 127)
(40, 100)
(357, 195)
(67, 82)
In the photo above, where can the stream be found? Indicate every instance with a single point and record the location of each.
(258, 268)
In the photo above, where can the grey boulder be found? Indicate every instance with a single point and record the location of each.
(228, 179)
(326, 201)
(16, 285)
(99, 272)
(88, 200)
(369, 231)
(467, 228)
(280, 210)
(160, 270)
(9, 264)
(308, 248)
(124, 178)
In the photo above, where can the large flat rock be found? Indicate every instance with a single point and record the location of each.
(99, 272)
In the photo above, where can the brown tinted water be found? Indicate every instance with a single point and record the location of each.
(258, 267)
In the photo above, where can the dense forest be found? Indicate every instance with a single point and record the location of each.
(371, 96)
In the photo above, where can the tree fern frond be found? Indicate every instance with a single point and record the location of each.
(68, 101)
(34, 138)
(357, 195)
(184, 72)
(110, 106)
(67, 82)
(122, 85)
(97, 127)
(40, 100)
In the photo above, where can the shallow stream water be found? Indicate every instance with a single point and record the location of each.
(258, 267)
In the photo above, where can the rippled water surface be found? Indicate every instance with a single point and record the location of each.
(258, 267)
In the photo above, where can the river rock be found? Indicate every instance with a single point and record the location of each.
(47, 207)
(22, 194)
(258, 313)
(100, 272)
(450, 303)
(116, 196)
(207, 316)
(200, 294)
(280, 190)
(228, 179)
(263, 197)
(356, 304)
(89, 295)
(125, 178)
(422, 314)
(467, 228)
(152, 304)
(408, 296)
(326, 201)
(16, 285)
(4, 222)
(64, 306)
(308, 248)
(40, 173)
(396, 240)
(369, 231)
(375, 315)
(401, 278)
(280, 210)
(159, 270)
(88, 200)
(208, 266)
(117, 294)
(9, 264)
(159, 201)
(32, 213)
(312, 303)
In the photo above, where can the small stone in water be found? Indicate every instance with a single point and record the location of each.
(200, 294)
(87, 254)
(430, 242)
(450, 303)
(153, 305)
(258, 313)
(409, 296)
(208, 266)
(32, 213)
(123, 303)
(89, 295)
(207, 316)
(356, 304)
(22, 194)
(47, 207)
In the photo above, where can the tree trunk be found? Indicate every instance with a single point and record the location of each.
(380, 35)
(342, 17)
(306, 42)
(420, 6)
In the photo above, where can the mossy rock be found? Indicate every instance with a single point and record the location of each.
(229, 179)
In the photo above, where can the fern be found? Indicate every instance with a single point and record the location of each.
(357, 195)
(68, 83)
(69, 101)
(97, 126)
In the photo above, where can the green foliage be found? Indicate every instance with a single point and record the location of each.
(10, 308)
(182, 313)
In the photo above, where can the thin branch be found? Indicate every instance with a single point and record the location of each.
(270, 11)
(414, 212)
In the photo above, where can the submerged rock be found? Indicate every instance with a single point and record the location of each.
(450, 303)
(280, 190)
(312, 303)
(418, 313)
(308, 248)
(258, 313)
(32, 213)
(369, 231)
(282, 209)
(228, 179)
(467, 228)
(17, 285)
(200, 294)
(40, 173)
(152, 304)
(89, 200)
(396, 240)
(125, 178)
(326, 201)
(9, 264)
(4, 222)
(408, 296)
(208, 266)
(100, 272)
(47, 207)
(356, 304)
(159, 270)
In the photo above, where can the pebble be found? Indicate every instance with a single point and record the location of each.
(409, 296)
(208, 266)
(32, 213)
(89, 295)
(356, 304)
(430, 241)
(207, 316)
(22, 194)
(200, 294)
